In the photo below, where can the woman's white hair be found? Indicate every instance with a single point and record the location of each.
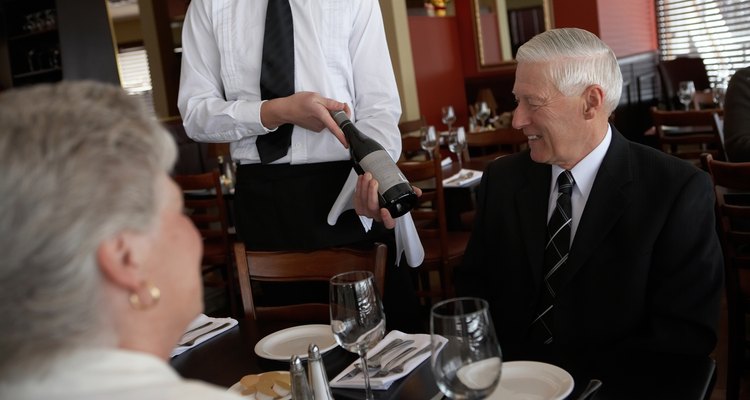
(79, 163)
(577, 59)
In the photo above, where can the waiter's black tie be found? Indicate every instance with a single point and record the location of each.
(277, 75)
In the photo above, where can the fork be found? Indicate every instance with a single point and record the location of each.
(373, 363)
(192, 341)
(396, 366)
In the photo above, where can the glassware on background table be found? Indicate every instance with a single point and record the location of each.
(428, 139)
(468, 365)
(448, 116)
(483, 112)
(357, 317)
(457, 144)
(685, 93)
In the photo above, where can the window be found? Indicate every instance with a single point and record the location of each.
(716, 30)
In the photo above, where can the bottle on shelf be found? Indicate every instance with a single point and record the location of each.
(395, 192)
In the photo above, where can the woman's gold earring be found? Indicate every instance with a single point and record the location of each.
(154, 294)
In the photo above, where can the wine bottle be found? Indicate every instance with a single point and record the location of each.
(394, 191)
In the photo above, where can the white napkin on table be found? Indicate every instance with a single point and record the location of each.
(421, 341)
(462, 178)
(407, 239)
(198, 321)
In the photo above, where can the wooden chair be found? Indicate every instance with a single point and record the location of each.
(732, 188)
(443, 249)
(301, 266)
(204, 203)
(486, 146)
(410, 138)
(688, 134)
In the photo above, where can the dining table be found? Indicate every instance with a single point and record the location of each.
(226, 358)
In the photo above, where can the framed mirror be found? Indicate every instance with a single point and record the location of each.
(501, 26)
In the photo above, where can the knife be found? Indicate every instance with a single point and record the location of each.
(192, 341)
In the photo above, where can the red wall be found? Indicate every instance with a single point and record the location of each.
(437, 67)
(628, 27)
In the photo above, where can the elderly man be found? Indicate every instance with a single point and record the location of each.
(587, 244)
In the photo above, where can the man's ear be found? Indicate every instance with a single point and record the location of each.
(118, 260)
(593, 98)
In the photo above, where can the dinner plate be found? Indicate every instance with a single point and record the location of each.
(285, 343)
(531, 380)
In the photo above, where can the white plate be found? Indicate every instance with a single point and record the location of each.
(530, 380)
(283, 344)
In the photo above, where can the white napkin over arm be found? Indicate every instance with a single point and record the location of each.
(407, 239)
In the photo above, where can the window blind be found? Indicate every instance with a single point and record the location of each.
(135, 76)
(718, 31)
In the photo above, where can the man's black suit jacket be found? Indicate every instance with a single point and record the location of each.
(644, 271)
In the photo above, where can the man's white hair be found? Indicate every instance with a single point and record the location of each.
(577, 59)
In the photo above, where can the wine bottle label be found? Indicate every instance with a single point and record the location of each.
(383, 169)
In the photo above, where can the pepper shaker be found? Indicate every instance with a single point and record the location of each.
(300, 388)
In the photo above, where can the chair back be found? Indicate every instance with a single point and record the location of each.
(206, 207)
(688, 134)
(732, 189)
(485, 146)
(302, 266)
(410, 136)
(672, 72)
(430, 219)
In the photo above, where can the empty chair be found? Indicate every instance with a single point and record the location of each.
(732, 188)
(206, 207)
(687, 134)
(485, 146)
(443, 249)
(410, 131)
(301, 266)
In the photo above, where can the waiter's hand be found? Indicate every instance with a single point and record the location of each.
(306, 109)
(366, 200)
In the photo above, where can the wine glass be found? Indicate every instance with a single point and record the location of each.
(685, 93)
(357, 317)
(457, 144)
(483, 112)
(428, 139)
(449, 116)
(468, 365)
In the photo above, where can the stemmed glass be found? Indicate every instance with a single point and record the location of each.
(457, 144)
(483, 112)
(468, 365)
(685, 93)
(449, 116)
(428, 139)
(357, 317)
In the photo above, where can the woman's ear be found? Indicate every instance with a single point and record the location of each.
(593, 98)
(118, 258)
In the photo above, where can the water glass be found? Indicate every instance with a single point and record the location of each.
(448, 116)
(685, 93)
(483, 112)
(457, 144)
(357, 317)
(428, 139)
(468, 365)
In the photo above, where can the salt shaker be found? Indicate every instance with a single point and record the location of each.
(316, 373)
(300, 388)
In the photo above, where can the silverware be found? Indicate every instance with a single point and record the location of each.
(460, 177)
(192, 341)
(373, 363)
(590, 390)
(198, 327)
(396, 366)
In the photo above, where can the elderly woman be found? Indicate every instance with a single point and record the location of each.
(100, 269)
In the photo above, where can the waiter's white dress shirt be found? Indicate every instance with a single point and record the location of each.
(113, 375)
(340, 52)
